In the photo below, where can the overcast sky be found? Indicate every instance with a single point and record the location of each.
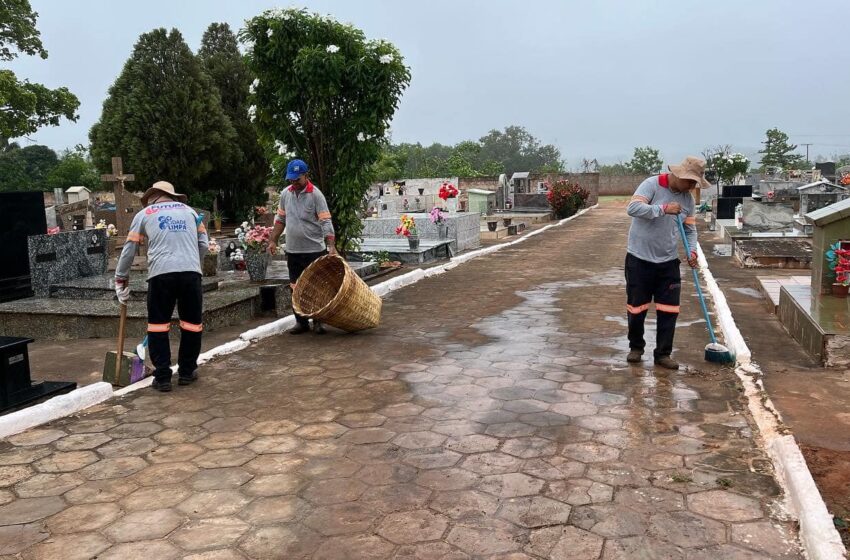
(596, 78)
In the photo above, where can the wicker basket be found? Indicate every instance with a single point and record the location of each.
(328, 290)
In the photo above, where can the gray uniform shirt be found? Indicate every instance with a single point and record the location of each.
(307, 219)
(654, 235)
(177, 240)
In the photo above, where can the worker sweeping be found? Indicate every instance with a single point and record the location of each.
(304, 212)
(652, 263)
(177, 242)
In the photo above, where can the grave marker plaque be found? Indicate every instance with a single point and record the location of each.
(21, 215)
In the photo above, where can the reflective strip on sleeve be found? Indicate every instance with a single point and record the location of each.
(158, 327)
(639, 198)
(281, 212)
(191, 327)
(135, 237)
(664, 308)
(690, 221)
(637, 309)
(324, 215)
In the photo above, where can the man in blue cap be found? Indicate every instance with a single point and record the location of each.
(304, 212)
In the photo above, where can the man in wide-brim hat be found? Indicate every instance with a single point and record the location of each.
(652, 263)
(177, 242)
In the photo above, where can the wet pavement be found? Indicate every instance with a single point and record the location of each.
(491, 416)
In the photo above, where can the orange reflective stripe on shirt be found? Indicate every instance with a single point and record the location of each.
(666, 308)
(135, 237)
(324, 215)
(191, 327)
(690, 221)
(637, 309)
(281, 212)
(639, 198)
(158, 327)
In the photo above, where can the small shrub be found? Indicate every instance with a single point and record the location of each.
(566, 198)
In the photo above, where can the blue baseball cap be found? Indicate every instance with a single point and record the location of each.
(295, 169)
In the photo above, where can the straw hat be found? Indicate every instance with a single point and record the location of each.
(163, 187)
(692, 168)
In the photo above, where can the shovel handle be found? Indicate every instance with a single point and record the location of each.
(122, 320)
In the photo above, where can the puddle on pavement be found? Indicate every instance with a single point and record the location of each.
(753, 293)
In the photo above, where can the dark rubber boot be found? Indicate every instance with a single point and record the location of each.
(667, 362)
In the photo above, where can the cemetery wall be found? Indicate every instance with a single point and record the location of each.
(619, 185)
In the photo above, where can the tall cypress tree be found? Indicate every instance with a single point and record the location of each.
(163, 115)
(241, 185)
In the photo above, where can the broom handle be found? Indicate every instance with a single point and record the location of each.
(121, 321)
(696, 279)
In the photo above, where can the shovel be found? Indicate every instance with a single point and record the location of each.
(123, 368)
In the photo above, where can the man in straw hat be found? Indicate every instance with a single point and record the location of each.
(177, 242)
(304, 212)
(652, 263)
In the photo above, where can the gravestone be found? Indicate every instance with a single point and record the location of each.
(65, 256)
(123, 214)
(759, 216)
(736, 190)
(21, 215)
(16, 386)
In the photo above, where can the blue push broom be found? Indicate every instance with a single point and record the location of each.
(714, 352)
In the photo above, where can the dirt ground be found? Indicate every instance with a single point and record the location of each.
(812, 400)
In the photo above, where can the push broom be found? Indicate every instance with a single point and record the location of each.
(714, 351)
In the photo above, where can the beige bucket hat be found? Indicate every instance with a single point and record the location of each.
(163, 187)
(691, 168)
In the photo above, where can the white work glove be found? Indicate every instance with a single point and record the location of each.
(122, 289)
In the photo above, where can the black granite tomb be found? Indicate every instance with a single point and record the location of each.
(731, 191)
(726, 207)
(21, 215)
(16, 386)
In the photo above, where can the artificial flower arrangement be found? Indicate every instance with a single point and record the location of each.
(254, 238)
(845, 179)
(839, 263)
(213, 248)
(111, 230)
(406, 227)
(437, 216)
(447, 191)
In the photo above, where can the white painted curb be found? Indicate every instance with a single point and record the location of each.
(57, 407)
(818, 534)
(82, 398)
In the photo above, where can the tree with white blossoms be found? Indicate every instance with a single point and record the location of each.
(326, 94)
(726, 164)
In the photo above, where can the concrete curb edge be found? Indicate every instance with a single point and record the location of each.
(818, 534)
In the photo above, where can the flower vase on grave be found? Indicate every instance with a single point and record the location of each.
(413, 242)
(257, 263)
(443, 230)
(451, 205)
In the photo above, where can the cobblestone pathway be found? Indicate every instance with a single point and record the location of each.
(491, 416)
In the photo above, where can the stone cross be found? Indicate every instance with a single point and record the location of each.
(118, 178)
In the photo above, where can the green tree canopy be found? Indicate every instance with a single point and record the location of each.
(26, 169)
(518, 150)
(326, 93)
(75, 168)
(25, 106)
(778, 152)
(514, 149)
(646, 161)
(163, 115)
(242, 184)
